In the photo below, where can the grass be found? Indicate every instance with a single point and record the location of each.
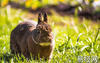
(74, 38)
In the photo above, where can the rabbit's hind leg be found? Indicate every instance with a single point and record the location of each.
(14, 48)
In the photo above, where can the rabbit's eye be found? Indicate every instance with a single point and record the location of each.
(38, 31)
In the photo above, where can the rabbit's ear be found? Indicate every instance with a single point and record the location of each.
(45, 17)
(39, 18)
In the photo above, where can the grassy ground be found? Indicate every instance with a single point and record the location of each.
(76, 40)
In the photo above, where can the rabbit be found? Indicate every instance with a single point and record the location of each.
(31, 38)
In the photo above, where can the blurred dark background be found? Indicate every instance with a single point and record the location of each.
(89, 9)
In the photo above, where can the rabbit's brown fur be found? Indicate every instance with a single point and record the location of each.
(27, 36)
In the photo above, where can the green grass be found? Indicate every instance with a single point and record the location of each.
(73, 37)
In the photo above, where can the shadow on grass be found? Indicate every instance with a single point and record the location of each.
(6, 57)
(9, 58)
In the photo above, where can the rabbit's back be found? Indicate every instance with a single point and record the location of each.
(23, 28)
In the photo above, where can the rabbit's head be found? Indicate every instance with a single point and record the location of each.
(43, 30)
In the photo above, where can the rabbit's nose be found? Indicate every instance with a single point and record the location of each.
(44, 38)
(48, 39)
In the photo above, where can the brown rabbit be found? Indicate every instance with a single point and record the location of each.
(31, 38)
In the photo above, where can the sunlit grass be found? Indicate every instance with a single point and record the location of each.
(73, 37)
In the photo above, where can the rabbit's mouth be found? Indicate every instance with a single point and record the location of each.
(44, 44)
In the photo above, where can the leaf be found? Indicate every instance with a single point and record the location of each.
(79, 36)
(84, 48)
